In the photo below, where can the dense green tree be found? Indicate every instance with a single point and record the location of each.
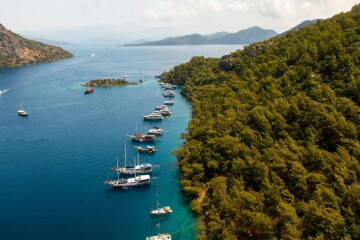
(273, 148)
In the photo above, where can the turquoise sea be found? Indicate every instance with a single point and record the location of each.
(54, 162)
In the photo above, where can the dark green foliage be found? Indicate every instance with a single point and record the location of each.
(108, 82)
(273, 147)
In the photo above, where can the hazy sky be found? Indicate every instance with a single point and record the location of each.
(186, 16)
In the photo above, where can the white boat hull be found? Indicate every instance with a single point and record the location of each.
(160, 236)
(130, 182)
(161, 211)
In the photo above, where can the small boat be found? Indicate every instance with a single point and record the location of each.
(169, 93)
(156, 131)
(159, 236)
(169, 86)
(141, 78)
(146, 148)
(89, 90)
(161, 107)
(142, 137)
(161, 211)
(21, 112)
(169, 102)
(165, 112)
(153, 116)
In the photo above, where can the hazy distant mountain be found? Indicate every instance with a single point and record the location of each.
(97, 34)
(16, 50)
(303, 24)
(253, 34)
(50, 42)
(216, 35)
(193, 39)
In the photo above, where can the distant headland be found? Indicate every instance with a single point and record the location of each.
(107, 82)
(18, 51)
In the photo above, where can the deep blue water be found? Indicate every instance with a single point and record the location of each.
(53, 163)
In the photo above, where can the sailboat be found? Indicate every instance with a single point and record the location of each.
(156, 131)
(126, 183)
(21, 111)
(159, 236)
(142, 137)
(160, 211)
(141, 78)
(137, 168)
(146, 148)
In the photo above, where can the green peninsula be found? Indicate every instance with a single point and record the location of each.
(273, 147)
(108, 83)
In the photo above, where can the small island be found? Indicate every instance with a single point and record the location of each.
(107, 82)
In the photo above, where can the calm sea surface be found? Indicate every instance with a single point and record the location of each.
(53, 163)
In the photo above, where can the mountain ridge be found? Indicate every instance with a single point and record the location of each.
(246, 36)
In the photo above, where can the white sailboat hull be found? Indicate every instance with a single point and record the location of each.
(160, 236)
(130, 182)
(161, 211)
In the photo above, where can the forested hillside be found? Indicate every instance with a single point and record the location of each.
(17, 51)
(273, 148)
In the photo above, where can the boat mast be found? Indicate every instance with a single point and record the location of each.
(138, 157)
(125, 156)
(157, 207)
(135, 166)
(117, 167)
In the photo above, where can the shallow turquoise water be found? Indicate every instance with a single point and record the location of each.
(53, 163)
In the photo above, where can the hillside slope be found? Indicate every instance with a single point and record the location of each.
(17, 51)
(273, 148)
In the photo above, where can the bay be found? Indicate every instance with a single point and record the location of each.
(54, 162)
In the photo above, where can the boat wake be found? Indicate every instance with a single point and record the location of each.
(3, 91)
